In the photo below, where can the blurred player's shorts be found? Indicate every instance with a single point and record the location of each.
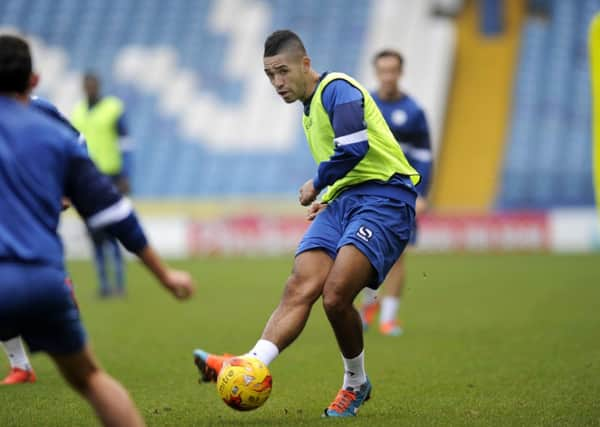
(37, 303)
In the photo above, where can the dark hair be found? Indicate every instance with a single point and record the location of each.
(15, 64)
(387, 53)
(282, 40)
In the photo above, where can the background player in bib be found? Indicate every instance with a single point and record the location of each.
(360, 227)
(101, 119)
(41, 162)
(407, 122)
(21, 370)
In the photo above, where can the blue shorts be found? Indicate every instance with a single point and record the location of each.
(377, 226)
(36, 302)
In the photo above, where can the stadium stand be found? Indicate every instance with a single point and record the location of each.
(547, 160)
(203, 117)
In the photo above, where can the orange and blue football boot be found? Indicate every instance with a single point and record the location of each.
(209, 365)
(348, 401)
(19, 376)
(393, 328)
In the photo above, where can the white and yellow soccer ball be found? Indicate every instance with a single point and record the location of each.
(244, 383)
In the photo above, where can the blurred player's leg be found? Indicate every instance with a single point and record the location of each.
(109, 399)
(21, 370)
(117, 256)
(100, 262)
(369, 307)
(390, 303)
(302, 289)
(351, 270)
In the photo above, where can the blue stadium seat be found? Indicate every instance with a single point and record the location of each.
(548, 152)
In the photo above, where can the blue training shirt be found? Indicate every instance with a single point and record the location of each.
(344, 105)
(40, 162)
(50, 109)
(408, 123)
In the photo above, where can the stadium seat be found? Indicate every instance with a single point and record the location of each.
(197, 37)
(547, 161)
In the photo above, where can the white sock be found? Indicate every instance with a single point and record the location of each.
(389, 309)
(265, 351)
(354, 371)
(369, 296)
(16, 353)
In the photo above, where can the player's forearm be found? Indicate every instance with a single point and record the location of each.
(130, 233)
(344, 159)
(154, 263)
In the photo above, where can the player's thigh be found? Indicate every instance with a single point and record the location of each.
(379, 228)
(325, 231)
(310, 271)
(350, 272)
(76, 368)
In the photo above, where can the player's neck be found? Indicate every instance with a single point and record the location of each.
(389, 96)
(93, 100)
(313, 81)
(22, 98)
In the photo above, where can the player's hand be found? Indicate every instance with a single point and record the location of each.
(308, 193)
(179, 283)
(314, 209)
(421, 206)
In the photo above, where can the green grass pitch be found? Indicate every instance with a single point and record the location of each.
(504, 340)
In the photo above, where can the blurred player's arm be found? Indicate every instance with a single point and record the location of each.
(422, 160)
(98, 202)
(345, 106)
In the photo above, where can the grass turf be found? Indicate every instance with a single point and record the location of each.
(490, 340)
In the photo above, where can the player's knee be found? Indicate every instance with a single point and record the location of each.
(82, 382)
(300, 289)
(80, 374)
(335, 301)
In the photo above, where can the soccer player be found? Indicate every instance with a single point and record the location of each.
(40, 163)
(407, 122)
(21, 370)
(101, 119)
(360, 227)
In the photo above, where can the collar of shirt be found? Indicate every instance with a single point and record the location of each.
(309, 100)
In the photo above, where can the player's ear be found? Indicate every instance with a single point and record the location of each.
(34, 80)
(305, 64)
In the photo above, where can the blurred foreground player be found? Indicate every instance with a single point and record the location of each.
(407, 122)
(101, 119)
(40, 163)
(21, 370)
(359, 229)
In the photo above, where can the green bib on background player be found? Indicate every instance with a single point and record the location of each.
(384, 158)
(99, 127)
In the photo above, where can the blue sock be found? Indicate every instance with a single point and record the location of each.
(101, 267)
(118, 264)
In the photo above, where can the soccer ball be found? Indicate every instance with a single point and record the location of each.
(244, 383)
